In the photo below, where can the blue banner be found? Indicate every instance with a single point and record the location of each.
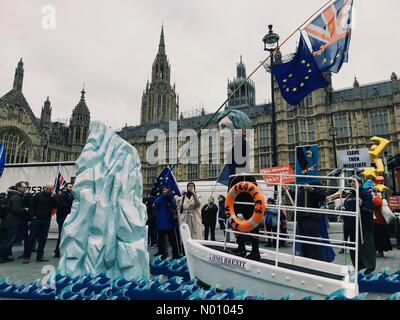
(2, 158)
(306, 163)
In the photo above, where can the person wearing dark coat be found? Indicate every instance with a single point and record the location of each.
(12, 220)
(366, 250)
(221, 213)
(41, 207)
(151, 221)
(381, 231)
(165, 209)
(23, 230)
(246, 211)
(308, 223)
(65, 200)
(209, 218)
(235, 123)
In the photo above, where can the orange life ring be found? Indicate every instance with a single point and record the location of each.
(259, 206)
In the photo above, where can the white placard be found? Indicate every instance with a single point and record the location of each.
(354, 158)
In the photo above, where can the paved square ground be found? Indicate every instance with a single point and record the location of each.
(26, 273)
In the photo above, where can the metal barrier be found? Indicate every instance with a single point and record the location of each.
(300, 239)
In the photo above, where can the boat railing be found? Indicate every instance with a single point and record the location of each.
(279, 188)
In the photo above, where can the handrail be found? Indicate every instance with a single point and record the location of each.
(322, 244)
(293, 237)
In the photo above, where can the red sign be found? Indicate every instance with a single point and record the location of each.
(284, 170)
(394, 202)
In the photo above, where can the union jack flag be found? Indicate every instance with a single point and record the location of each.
(60, 182)
(330, 35)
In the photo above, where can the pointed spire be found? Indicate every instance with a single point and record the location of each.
(82, 107)
(83, 92)
(47, 104)
(46, 114)
(19, 76)
(161, 46)
(241, 69)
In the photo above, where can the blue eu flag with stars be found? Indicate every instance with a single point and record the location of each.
(300, 76)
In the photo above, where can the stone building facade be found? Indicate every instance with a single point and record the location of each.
(357, 113)
(30, 139)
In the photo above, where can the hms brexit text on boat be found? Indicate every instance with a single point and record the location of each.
(230, 262)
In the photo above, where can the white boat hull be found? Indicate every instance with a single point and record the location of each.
(298, 276)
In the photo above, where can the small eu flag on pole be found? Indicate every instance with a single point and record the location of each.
(2, 158)
(300, 76)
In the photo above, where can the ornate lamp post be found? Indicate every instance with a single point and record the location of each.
(333, 131)
(270, 44)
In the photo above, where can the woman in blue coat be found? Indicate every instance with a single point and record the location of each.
(165, 209)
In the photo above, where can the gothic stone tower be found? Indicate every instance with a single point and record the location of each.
(160, 102)
(79, 124)
(45, 118)
(246, 95)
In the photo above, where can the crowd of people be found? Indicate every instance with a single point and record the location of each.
(166, 213)
(373, 233)
(26, 217)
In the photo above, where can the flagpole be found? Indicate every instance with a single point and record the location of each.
(58, 173)
(250, 75)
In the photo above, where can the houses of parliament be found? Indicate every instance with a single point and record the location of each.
(356, 114)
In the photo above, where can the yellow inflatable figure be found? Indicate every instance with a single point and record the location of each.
(369, 173)
(377, 149)
(380, 169)
(375, 174)
(379, 186)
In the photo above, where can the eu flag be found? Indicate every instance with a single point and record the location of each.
(165, 179)
(300, 76)
(330, 35)
(227, 171)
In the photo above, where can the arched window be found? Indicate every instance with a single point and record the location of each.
(78, 135)
(49, 155)
(17, 148)
(85, 131)
(22, 154)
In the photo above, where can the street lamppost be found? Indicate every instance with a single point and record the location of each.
(270, 44)
(333, 131)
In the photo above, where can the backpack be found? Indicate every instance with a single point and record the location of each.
(4, 205)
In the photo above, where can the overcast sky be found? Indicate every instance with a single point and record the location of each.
(111, 45)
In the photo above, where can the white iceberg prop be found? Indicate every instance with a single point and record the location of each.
(106, 231)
